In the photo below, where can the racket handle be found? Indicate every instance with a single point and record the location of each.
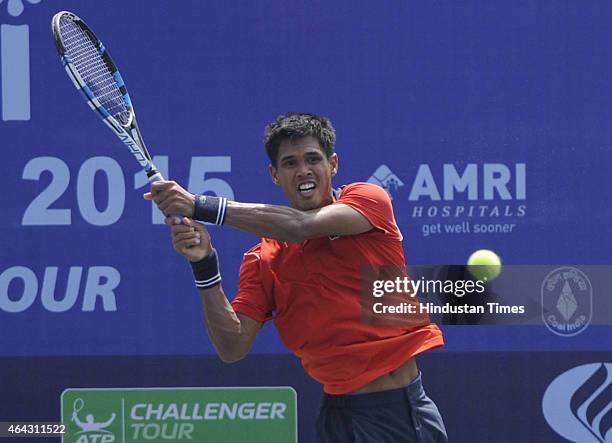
(156, 177)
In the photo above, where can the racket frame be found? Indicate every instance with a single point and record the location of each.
(128, 133)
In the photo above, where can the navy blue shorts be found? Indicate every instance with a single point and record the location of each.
(398, 415)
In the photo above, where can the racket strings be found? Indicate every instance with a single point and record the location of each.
(88, 61)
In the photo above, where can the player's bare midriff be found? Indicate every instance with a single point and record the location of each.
(395, 379)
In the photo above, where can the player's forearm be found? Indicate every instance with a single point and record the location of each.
(223, 325)
(270, 221)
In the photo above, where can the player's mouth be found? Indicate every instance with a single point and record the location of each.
(306, 189)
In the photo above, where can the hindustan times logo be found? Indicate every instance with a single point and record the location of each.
(577, 404)
(451, 199)
(15, 62)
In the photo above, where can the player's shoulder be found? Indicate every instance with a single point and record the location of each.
(253, 252)
(266, 247)
(365, 189)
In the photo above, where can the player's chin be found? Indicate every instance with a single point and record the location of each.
(308, 203)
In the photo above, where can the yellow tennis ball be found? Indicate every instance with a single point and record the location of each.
(484, 264)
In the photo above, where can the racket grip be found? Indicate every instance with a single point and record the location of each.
(156, 177)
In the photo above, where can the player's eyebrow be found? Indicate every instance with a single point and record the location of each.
(286, 157)
(311, 153)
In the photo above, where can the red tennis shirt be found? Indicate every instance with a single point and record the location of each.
(312, 291)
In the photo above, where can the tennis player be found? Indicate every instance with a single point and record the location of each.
(305, 275)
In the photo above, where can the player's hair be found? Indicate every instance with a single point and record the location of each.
(296, 125)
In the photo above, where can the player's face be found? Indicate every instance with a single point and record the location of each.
(304, 172)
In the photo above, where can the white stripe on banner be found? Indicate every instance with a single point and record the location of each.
(15, 61)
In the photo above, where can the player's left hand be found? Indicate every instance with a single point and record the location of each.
(171, 198)
(189, 238)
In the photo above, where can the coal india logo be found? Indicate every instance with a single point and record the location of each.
(567, 301)
(577, 406)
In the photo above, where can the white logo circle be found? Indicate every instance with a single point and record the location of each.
(567, 301)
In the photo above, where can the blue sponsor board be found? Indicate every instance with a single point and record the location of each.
(488, 126)
(500, 397)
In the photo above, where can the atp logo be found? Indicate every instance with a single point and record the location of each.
(578, 403)
(386, 179)
(15, 61)
(90, 430)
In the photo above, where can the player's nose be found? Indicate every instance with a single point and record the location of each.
(304, 170)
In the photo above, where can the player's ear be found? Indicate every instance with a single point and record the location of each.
(273, 174)
(333, 164)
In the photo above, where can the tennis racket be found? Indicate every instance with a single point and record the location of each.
(89, 65)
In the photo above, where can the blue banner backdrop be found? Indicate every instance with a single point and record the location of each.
(488, 123)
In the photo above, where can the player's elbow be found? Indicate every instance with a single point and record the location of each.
(290, 232)
(298, 229)
(231, 350)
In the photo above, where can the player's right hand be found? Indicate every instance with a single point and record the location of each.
(189, 238)
(171, 198)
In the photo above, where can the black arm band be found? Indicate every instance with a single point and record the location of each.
(210, 209)
(206, 271)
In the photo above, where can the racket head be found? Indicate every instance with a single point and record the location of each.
(78, 404)
(92, 69)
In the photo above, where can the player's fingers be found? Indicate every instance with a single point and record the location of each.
(180, 236)
(173, 220)
(174, 206)
(183, 245)
(159, 186)
(201, 229)
(188, 222)
(178, 229)
(161, 198)
(194, 224)
(165, 205)
(147, 196)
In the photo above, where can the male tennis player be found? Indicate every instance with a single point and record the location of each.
(305, 274)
